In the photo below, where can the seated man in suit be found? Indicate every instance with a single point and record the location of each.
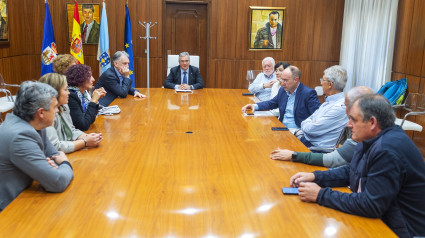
(341, 156)
(295, 101)
(323, 127)
(184, 76)
(26, 153)
(116, 80)
(386, 175)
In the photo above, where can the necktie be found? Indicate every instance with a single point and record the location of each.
(84, 34)
(185, 78)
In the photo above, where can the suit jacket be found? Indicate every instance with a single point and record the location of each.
(111, 83)
(23, 152)
(56, 132)
(265, 34)
(81, 120)
(306, 102)
(175, 78)
(93, 34)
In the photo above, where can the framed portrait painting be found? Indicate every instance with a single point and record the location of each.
(89, 15)
(267, 28)
(4, 22)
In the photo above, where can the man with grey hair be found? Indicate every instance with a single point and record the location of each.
(386, 175)
(263, 83)
(340, 156)
(184, 76)
(116, 80)
(26, 154)
(324, 126)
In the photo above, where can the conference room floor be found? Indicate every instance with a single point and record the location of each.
(182, 165)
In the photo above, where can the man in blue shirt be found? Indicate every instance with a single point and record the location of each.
(295, 101)
(263, 83)
(323, 127)
(386, 175)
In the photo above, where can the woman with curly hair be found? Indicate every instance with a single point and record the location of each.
(62, 63)
(63, 134)
(83, 107)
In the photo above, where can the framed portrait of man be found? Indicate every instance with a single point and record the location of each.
(4, 23)
(267, 28)
(89, 15)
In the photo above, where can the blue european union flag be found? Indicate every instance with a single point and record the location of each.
(48, 50)
(103, 48)
(128, 44)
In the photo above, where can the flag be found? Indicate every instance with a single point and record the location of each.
(76, 42)
(103, 47)
(49, 50)
(128, 44)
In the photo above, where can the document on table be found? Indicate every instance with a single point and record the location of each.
(183, 91)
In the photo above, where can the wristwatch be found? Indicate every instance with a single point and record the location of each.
(294, 156)
(85, 142)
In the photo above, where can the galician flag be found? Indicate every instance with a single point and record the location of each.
(76, 42)
(103, 47)
(128, 44)
(48, 50)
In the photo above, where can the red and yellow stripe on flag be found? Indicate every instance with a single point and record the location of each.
(76, 42)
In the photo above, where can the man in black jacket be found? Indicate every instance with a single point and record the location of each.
(116, 80)
(184, 76)
(386, 175)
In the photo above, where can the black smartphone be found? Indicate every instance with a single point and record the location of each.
(280, 129)
(247, 94)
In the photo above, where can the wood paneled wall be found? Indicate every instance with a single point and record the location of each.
(409, 55)
(312, 38)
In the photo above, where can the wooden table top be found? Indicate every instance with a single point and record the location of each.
(182, 165)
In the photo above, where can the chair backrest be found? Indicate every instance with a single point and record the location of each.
(173, 60)
(252, 74)
(415, 102)
(319, 90)
(3, 84)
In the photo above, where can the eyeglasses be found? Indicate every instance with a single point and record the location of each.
(324, 80)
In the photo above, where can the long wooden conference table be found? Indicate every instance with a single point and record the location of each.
(182, 165)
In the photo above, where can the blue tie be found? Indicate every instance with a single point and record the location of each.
(185, 77)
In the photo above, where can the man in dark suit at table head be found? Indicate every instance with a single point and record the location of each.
(386, 174)
(295, 101)
(184, 76)
(26, 154)
(116, 80)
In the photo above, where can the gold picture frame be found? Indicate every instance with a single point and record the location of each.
(266, 30)
(91, 12)
(4, 22)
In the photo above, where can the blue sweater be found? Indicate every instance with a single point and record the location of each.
(392, 174)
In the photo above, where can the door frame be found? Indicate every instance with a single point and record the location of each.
(164, 50)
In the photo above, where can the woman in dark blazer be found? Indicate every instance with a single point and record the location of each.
(83, 107)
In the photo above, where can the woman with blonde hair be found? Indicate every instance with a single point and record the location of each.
(63, 135)
(62, 63)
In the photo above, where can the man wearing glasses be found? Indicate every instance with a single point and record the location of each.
(324, 126)
(295, 101)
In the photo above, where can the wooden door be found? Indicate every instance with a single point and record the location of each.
(186, 30)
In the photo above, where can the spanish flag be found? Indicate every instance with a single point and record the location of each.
(76, 42)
